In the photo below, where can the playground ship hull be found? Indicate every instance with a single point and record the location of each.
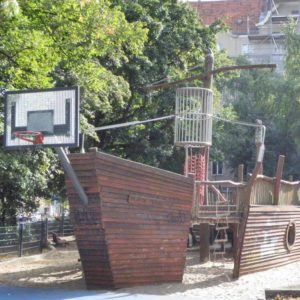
(134, 229)
(269, 232)
(269, 239)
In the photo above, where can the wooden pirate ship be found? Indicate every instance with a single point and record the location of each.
(133, 229)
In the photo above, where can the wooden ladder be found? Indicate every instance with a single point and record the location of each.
(222, 226)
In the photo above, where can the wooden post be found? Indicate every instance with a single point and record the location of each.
(241, 173)
(186, 161)
(279, 172)
(208, 67)
(204, 242)
(258, 142)
(204, 228)
(235, 237)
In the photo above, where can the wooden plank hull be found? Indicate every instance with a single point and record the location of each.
(134, 229)
(265, 238)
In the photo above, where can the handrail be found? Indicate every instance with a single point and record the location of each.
(290, 182)
(220, 182)
(272, 180)
(218, 193)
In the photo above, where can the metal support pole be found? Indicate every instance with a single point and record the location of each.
(21, 238)
(46, 232)
(82, 150)
(42, 235)
(71, 174)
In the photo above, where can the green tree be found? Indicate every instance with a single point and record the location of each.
(176, 42)
(59, 43)
(272, 98)
(113, 50)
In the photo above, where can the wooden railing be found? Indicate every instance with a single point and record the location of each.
(263, 192)
(221, 195)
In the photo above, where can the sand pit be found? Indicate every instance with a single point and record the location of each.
(60, 268)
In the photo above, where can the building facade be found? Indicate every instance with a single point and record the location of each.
(255, 27)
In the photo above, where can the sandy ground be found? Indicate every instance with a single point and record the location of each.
(60, 268)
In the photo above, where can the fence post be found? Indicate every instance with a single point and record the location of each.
(20, 239)
(279, 172)
(46, 231)
(61, 222)
(42, 238)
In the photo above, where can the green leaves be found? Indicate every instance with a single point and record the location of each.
(112, 49)
(61, 43)
(273, 98)
(176, 42)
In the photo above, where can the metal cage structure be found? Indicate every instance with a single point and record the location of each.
(193, 117)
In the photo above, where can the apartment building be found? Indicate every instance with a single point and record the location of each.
(255, 27)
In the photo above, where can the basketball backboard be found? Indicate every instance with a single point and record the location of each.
(52, 113)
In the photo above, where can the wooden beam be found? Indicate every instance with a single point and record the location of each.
(279, 172)
(241, 173)
(207, 74)
(204, 228)
(221, 182)
(241, 233)
(204, 234)
(218, 193)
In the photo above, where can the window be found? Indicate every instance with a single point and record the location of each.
(290, 235)
(217, 168)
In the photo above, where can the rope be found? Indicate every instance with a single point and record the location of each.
(131, 123)
(238, 122)
(242, 123)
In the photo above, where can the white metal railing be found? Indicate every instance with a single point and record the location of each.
(193, 117)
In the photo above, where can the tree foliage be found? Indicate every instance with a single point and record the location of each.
(112, 50)
(59, 43)
(176, 42)
(273, 98)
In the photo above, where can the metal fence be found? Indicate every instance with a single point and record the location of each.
(30, 237)
(61, 227)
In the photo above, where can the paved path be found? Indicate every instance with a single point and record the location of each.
(22, 293)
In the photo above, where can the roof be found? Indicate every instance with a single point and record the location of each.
(240, 15)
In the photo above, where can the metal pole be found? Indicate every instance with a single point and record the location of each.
(71, 174)
(46, 231)
(82, 150)
(21, 238)
(42, 235)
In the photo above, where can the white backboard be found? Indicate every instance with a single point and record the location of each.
(53, 112)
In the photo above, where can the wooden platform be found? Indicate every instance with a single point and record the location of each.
(213, 214)
(134, 229)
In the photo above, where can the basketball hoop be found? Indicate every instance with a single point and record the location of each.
(34, 137)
